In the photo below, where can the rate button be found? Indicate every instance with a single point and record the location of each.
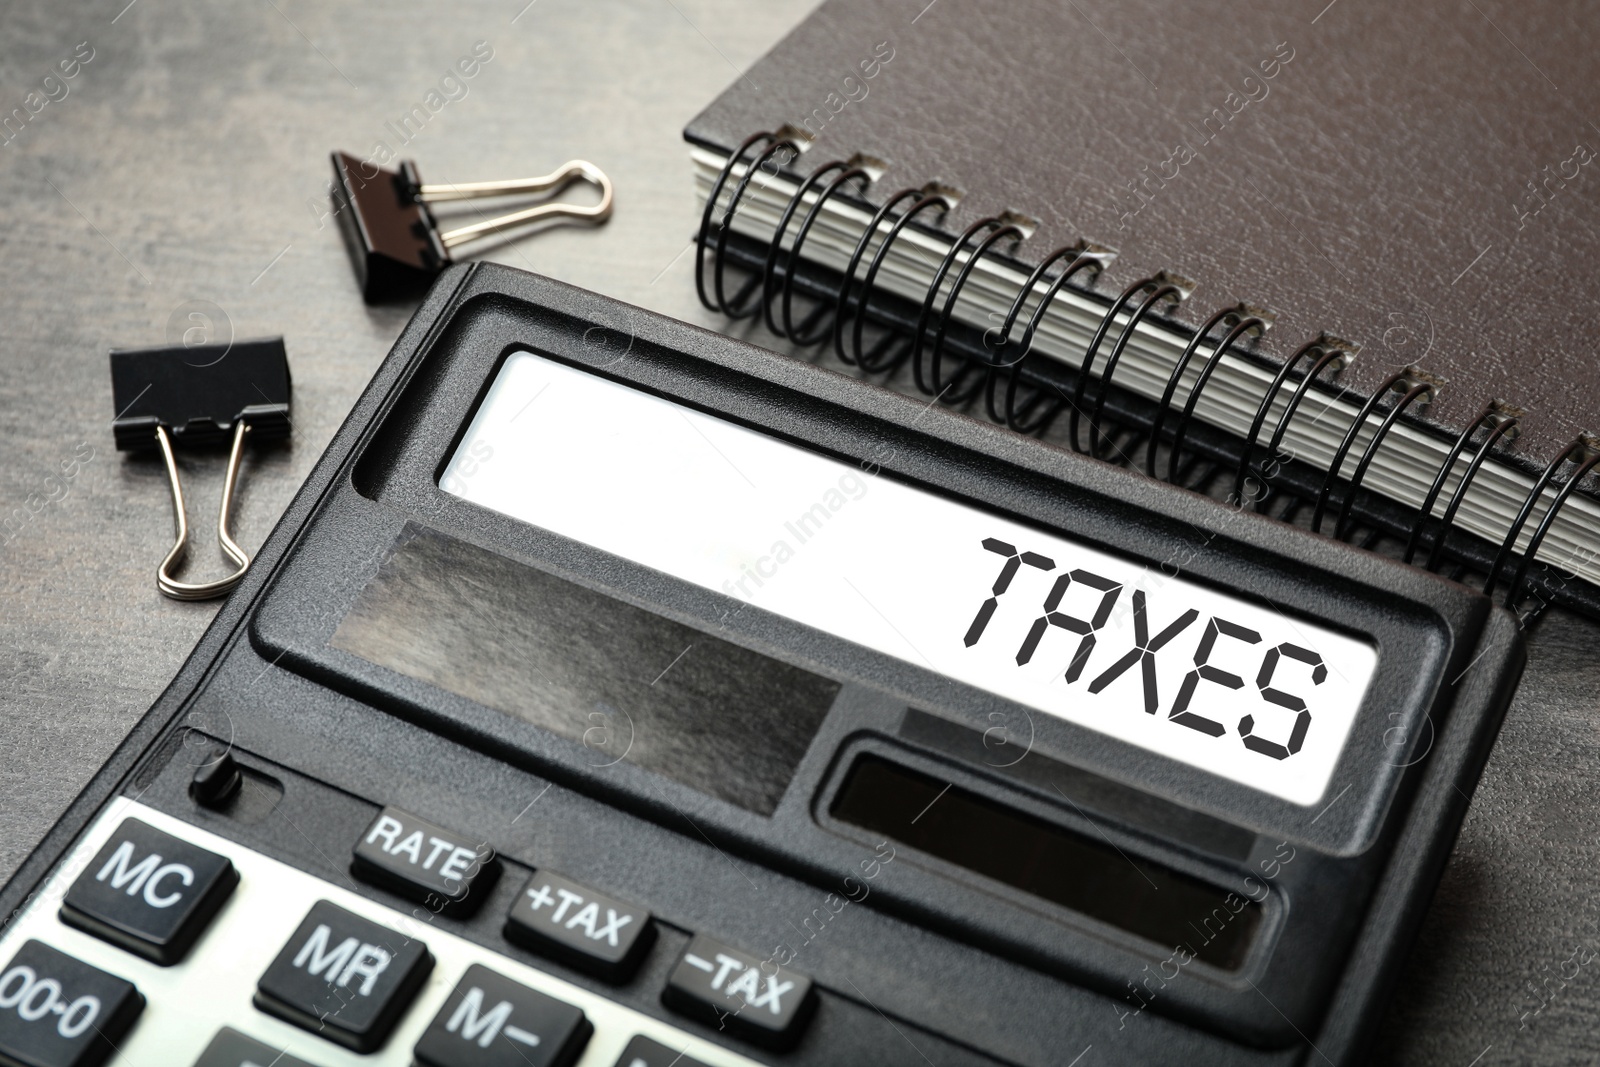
(421, 861)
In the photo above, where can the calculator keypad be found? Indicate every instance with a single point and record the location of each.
(208, 1009)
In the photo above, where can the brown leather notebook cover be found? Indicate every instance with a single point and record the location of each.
(1420, 178)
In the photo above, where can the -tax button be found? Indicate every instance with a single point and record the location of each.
(149, 892)
(424, 862)
(735, 991)
(57, 1011)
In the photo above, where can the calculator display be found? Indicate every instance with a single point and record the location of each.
(1223, 681)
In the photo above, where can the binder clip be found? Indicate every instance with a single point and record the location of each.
(197, 396)
(394, 242)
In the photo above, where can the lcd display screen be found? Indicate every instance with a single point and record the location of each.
(1220, 680)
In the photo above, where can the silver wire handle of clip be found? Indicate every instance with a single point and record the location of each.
(206, 590)
(575, 171)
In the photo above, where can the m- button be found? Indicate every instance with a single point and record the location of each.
(424, 862)
(149, 892)
(344, 978)
(491, 1021)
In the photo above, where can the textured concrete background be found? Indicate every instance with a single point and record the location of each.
(184, 173)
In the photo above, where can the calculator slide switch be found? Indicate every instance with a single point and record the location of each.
(344, 978)
(740, 993)
(491, 1021)
(149, 892)
(57, 1011)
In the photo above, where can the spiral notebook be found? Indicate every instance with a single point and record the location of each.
(1337, 255)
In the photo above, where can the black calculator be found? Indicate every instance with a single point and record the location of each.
(617, 693)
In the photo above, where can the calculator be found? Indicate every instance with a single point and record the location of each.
(616, 693)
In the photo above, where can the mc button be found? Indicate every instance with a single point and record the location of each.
(149, 892)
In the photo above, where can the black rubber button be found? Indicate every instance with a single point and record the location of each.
(737, 992)
(491, 1021)
(424, 862)
(57, 1011)
(230, 1048)
(579, 926)
(344, 978)
(645, 1052)
(149, 892)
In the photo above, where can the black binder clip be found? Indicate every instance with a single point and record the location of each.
(395, 243)
(200, 395)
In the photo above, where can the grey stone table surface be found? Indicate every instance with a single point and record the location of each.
(178, 182)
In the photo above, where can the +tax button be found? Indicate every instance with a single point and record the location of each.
(579, 926)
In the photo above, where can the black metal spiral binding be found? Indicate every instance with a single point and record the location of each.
(769, 269)
(1414, 388)
(878, 361)
(1242, 324)
(1327, 355)
(1025, 421)
(738, 308)
(1029, 404)
(1501, 423)
(1589, 456)
(726, 224)
(1158, 290)
(1585, 452)
(999, 229)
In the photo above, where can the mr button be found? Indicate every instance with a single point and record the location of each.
(424, 862)
(344, 978)
(56, 1011)
(149, 892)
(736, 992)
(580, 927)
